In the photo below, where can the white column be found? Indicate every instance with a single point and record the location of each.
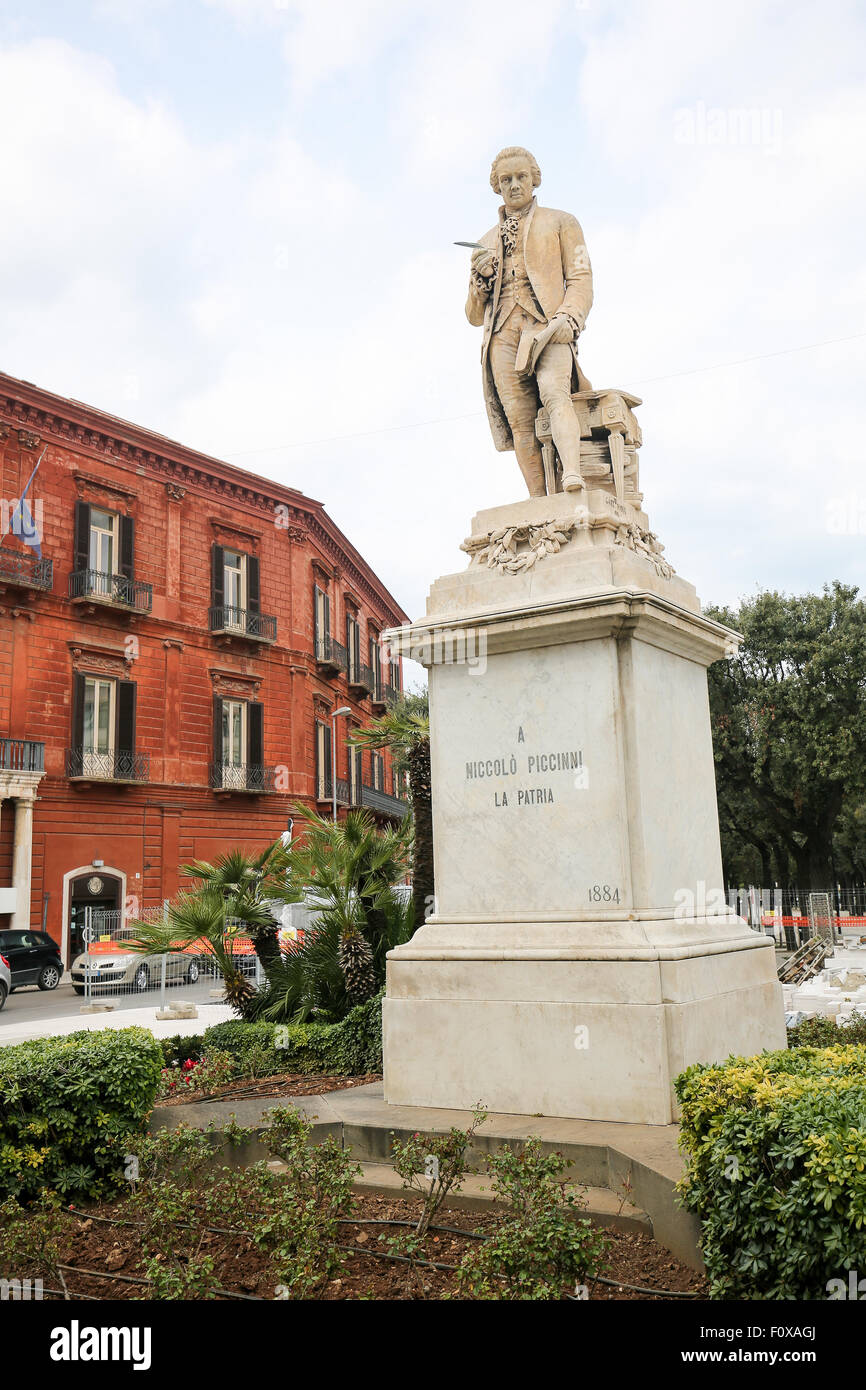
(22, 857)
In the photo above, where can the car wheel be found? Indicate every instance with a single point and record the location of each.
(192, 973)
(79, 989)
(142, 979)
(3, 992)
(49, 977)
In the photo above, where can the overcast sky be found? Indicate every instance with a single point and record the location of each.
(232, 221)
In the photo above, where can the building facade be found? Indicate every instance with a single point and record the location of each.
(169, 665)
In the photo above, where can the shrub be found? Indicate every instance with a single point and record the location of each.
(182, 1049)
(776, 1169)
(537, 1248)
(66, 1105)
(351, 1048)
(826, 1032)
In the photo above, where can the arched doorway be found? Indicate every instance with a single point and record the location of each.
(101, 888)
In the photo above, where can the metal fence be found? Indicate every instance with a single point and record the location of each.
(108, 970)
(793, 916)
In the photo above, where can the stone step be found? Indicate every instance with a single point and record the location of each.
(602, 1207)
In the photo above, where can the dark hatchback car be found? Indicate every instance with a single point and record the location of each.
(33, 958)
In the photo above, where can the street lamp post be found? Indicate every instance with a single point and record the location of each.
(344, 709)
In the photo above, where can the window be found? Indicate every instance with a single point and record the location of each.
(353, 647)
(103, 730)
(103, 562)
(323, 761)
(376, 665)
(235, 605)
(322, 623)
(355, 763)
(235, 587)
(377, 766)
(234, 743)
(239, 746)
(103, 540)
(98, 722)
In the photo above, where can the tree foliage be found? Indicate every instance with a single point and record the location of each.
(789, 735)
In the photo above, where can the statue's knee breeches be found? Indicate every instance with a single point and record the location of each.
(553, 375)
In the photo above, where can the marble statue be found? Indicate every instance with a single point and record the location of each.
(531, 289)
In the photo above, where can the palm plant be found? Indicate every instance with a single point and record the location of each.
(198, 919)
(350, 870)
(233, 899)
(405, 730)
(248, 883)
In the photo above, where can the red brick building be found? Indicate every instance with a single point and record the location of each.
(169, 668)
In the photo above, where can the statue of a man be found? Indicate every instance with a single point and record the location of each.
(531, 288)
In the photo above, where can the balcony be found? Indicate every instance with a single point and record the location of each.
(324, 791)
(242, 622)
(113, 590)
(361, 679)
(330, 656)
(392, 694)
(122, 765)
(383, 802)
(247, 778)
(25, 571)
(21, 755)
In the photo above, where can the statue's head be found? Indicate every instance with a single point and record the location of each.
(515, 174)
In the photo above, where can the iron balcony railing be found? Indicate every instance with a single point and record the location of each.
(260, 626)
(111, 588)
(331, 653)
(392, 694)
(26, 571)
(121, 765)
(383, 802)
(362, 677)
(242, 777)
(21, 755)
(325, 791)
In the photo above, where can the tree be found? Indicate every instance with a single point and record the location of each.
(789, 728)
(405, 730)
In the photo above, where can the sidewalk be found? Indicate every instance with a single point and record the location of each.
(208, 1014)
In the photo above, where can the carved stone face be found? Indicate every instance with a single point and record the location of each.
(515, 182)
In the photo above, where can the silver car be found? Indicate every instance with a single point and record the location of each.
(5, 980)
(128, 972)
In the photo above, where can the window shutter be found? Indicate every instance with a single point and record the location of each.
(216, 780)
(127, 547)
(124, 735)
(77, 711)
(255, 744)
(81, 558)
(253, 597)
(218, 582)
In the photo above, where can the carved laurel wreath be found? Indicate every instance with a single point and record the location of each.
(499, 549)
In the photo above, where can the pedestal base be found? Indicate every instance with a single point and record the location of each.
(588, 1031)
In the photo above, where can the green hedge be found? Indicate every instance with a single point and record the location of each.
(66, 1105)
(351, 1047)
(775, 1148)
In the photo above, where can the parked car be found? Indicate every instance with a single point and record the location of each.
(5, 980)
(34, 958)
(111, 963)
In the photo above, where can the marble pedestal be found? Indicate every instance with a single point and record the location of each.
(581, 953)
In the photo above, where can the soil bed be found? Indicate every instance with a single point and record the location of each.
(284, 1084)
(91, 1244)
